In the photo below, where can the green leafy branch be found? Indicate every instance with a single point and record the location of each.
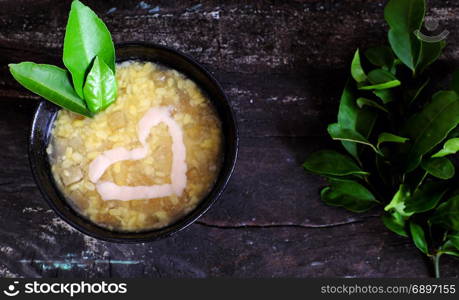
(89, 55)
(398, 138)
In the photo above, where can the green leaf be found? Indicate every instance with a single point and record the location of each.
(352, 117)
(426, 198)
(449, 248)
(396, 215)
(343, 134)
(380, 80)
(450, 147)
(429, 127)
(390, 138)
(386, 96)
(356, 68)
(447, 214)
(428, 53)
(348, 194)
(382, 57)
(50, 82)
(404, 17)
(86, 37)
(441, 168)
(416, 93)
(361, 102)
(381, 86)
(100, 87)
(419, 238)
(398, 202)
(396, 223)
(328, 162)
(380, 76)
(406, 46)
(454, 239)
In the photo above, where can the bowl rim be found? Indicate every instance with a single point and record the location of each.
(184, 221)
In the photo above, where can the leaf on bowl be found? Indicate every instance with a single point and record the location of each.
(100, 86)
(50, 82)
(86, 37)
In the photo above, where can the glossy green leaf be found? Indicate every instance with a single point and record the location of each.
(380, 76)
(426, 198)
(441, 168)
(418, 91)
(86, 37)
(386, 95)
(398, 202)
(449, 248)
(404, 17)
(450, 147)
(382, 57)
(361, 102)
(419, 238)
(447, 214)
(406, 46)
(395, 223)
(337, 132)
(50, 82)
(429, 127)
(329, 162)
(380, 80)
(428, 53)
(381, 86)
(386, 137)
(454, 239)
(348, 194)
(356, 68)
(352, 117)
(100, 87)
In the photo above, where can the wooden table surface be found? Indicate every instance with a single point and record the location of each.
(283, 65)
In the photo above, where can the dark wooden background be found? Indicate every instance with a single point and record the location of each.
(283, 65)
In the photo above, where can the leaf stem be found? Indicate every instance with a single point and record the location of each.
(421, 182)
(436, 262)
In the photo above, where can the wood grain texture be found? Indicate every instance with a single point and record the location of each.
(283, 65)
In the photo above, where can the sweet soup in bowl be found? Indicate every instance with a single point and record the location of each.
(148, 159)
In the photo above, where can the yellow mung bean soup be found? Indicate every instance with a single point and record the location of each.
(148, 159)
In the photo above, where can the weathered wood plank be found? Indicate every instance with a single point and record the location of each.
(366, 249)
(283, 64)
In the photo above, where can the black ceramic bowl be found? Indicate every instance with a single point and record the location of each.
(45, 116)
